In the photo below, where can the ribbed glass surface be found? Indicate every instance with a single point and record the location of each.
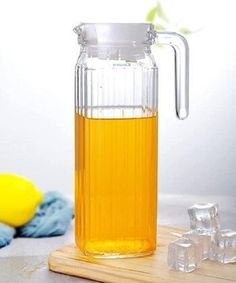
(116, 156)
(116, 88)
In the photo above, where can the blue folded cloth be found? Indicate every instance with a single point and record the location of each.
(51, 219)
(6, 234)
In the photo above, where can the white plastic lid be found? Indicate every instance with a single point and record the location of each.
(133, 34)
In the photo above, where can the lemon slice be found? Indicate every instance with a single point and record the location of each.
(19, 199)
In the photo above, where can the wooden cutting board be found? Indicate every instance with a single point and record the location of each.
(69, 260)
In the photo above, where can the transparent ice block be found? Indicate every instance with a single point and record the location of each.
(184, 255)
(204, 218)
(204, 242)
(223, 246)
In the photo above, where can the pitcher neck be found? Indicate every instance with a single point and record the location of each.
(116, 52)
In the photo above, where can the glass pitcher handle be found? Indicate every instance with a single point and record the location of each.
(181, 52)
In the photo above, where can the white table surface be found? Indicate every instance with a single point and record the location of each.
(25, 259)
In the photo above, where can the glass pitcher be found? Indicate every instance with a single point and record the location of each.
(116, 133)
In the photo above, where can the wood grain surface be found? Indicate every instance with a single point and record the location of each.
(69, 260)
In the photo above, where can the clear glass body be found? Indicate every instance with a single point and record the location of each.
(116, 132)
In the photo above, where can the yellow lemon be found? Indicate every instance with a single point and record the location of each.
(19, 199)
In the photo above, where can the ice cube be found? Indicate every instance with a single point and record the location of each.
(204, 242)
(223, 246)
(204, 218)
(184, 255)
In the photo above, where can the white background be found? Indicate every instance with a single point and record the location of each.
(38, 51)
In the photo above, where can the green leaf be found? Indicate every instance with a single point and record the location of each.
(160, 27)
(151, 14)
(185, 31)
(160, 12)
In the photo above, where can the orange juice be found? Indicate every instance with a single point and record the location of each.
(116, 186)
